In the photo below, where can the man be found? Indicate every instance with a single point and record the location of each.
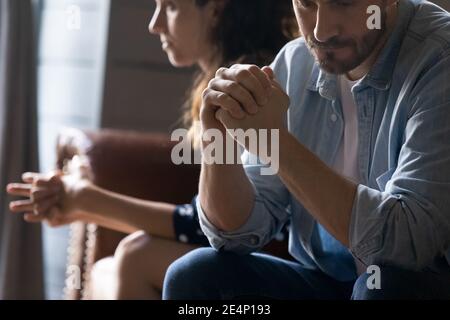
(364, 163)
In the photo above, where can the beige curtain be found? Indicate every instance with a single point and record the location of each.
(21, 274)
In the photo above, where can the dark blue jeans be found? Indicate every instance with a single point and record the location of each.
(205, 274)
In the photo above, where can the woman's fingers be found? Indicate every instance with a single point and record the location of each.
(33, 192)
(43, 207)
(19, 189)
(54, 183)
(33, 218)
(21, 206)
(35, 183)
(33, 180)
(30, 177)
(42, 179)
(38, 194)
(41, 192)
(53, 218)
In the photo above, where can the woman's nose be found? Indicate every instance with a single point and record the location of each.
(157, 23)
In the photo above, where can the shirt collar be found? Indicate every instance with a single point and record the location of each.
(380, 76)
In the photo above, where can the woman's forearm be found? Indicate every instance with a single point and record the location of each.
(127, 214)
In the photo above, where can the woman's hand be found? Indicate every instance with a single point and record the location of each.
(56, 198)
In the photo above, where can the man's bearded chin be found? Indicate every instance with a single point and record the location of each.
(360, 51)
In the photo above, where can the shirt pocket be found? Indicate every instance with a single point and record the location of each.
(383, 179)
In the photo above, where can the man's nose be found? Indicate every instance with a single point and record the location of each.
(326, 26)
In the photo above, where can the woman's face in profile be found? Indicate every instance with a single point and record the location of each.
(184, 30)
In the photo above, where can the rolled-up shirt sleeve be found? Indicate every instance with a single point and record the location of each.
(407, 222)
(269, 214)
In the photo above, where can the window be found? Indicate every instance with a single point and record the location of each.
(71, 59)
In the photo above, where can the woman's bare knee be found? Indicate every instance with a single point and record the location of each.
(102, 279)
(133, 251)
(141, 262)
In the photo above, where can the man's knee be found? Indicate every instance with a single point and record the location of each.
(392, 283)
(197, 275)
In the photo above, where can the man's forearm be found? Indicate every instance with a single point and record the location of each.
(324, 193)
(226, 194)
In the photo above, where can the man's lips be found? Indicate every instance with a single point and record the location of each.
(329, 48)
(325, 51)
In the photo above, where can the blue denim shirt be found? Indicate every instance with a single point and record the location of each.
(401, 212)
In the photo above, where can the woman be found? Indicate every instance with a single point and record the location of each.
(206, 33)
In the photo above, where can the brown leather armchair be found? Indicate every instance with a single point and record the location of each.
(130, 163)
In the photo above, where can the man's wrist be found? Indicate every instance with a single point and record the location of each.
(286, 146)
(284, 134)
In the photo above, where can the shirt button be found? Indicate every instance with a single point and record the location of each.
(254, 240)
(183, 238)
(333, 117)
(279, 236)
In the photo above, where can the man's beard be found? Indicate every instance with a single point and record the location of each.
(361, 51)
